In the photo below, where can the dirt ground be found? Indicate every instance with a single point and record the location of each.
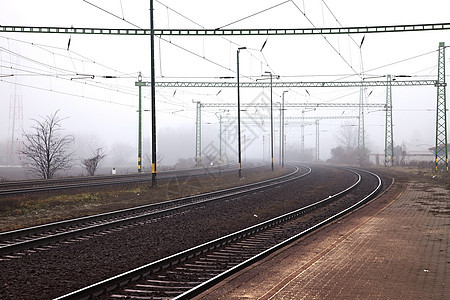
(40, 208)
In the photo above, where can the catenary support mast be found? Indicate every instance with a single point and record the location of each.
(389, 138)
(441, 150)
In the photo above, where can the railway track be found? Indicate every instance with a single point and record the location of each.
(34, 237)
(188, 273)
(8, 188)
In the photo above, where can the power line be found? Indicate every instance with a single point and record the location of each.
(110, 13)
(180, 14)
(228, 40)
(254, 14)
(329, 43)
(64, 73)
(329, 9)
(391, 64)
(65, 93)
(169, 42)
(84, 58)
(401, 61)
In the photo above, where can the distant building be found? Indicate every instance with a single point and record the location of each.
(419, 156)
(433, 149)
(408, 158)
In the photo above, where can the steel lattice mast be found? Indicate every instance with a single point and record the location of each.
(317, 141)
(361, 131)
(198, 135)
(389, 138)
(441, 151)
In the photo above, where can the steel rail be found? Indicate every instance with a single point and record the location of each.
(47, 188)
(43, 185)
(213, 281)
(27, 182)
(38, 236)
(134, 275)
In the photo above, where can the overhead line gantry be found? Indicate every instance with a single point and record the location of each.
(308, 105)
(227, 32)
(441, 118)
(295, 84)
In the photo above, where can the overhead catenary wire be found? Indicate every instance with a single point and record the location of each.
(60, 73)
(161, 38)
(198, 54)
(58, 54)
(390, 64)
(62, 76)
(66, 93)
(44, 48)
(325, 38)
(336, 19)
(222, 37)
(110, 13)
(170, 41)
(254, 14)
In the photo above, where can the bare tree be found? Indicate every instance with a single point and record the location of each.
(45, 150)
(148, 160)
(91, 164)
(348, 136)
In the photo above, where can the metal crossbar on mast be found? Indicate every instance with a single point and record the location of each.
(262, 84)
(308, 105)
(299, 118)
(226, 32)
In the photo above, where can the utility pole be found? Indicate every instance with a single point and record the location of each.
(198, 135)
(317, 140)
(280, 133)
(245, 150)
(220, 139)
(264, 159)
(361, 142)
(140, 126)
(239, 110)
(282, 129)
(15, 143)
(153, 104)
(302, 144)
(271, 118)
(389, 138)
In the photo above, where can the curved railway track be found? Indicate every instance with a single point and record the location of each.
(39, 236)
(8, 188)
(188, 273)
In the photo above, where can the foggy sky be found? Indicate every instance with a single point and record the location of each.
(45, 72)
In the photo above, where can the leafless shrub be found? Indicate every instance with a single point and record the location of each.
(91, 164)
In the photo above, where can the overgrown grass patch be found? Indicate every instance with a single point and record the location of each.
(40, 208)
